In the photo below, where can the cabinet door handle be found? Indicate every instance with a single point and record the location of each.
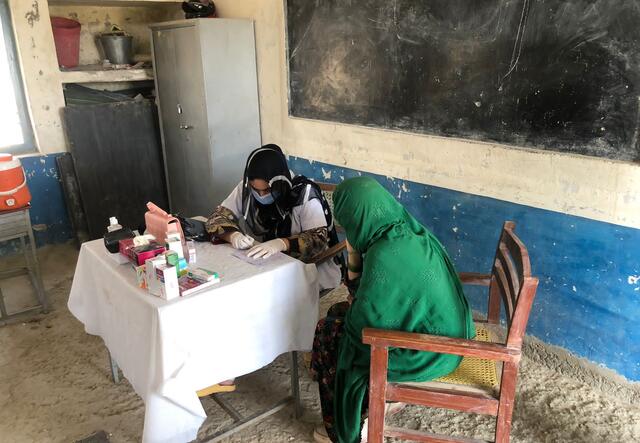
(186, 127)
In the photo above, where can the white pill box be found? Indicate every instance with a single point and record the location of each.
(154, 285)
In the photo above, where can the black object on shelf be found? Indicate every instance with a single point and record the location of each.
(71, 191)
(118, 161)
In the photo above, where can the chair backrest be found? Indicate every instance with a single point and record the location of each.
(511, 284)
(327, 190)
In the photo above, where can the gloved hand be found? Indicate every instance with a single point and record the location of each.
(267, 249)
(240, 241)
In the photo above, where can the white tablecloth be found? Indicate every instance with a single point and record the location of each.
(170, 349)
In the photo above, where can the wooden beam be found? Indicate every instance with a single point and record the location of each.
(410, 434)
(93, 75)
(443, 398)
(474, 278)
(436, 343)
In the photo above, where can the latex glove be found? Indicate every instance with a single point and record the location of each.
(240, 241)
(267, 249)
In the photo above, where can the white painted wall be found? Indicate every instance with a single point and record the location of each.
(98, 19)
(594, 188)
(39, 64)
(40, 72)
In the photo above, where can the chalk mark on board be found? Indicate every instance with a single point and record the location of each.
(395, 10)
(304, 36)
(517, 46)
(405, 39)
(596, 36)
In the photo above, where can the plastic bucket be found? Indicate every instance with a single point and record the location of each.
(66, 35)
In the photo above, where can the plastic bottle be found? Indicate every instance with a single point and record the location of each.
(113, 225)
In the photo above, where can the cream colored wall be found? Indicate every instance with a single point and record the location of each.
(98, 19)
(39, 65)
(40, 72)
(590, 187)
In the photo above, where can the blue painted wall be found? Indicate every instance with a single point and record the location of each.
(588, 299)
(48, 211)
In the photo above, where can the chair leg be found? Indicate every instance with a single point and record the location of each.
(295, 385)
(39, 285)
(3, 308)
(377, 393)
(114, 369)
(507, 399)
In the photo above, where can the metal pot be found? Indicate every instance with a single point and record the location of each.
(118, 48)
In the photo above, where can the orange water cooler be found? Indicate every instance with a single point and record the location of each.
(14, 193)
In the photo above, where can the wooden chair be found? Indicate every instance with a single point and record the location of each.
(511, 283)
(328, 190)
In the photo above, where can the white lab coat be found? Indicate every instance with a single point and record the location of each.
(308, 215)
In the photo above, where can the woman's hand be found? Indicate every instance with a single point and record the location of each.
(350, 249)
(239, 241)
(350, 299)
(269, 248)
(354, 262)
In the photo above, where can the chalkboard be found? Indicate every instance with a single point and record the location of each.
(553, 74)
(118, 161)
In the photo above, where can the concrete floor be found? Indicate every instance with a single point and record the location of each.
(55, 386)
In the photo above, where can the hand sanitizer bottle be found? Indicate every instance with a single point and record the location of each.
(113, 225)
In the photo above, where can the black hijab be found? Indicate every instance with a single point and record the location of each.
(274, 221)
(268, 221)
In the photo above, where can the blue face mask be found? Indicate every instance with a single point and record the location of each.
(263, 199)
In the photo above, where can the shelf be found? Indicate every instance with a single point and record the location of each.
(97, 74)
(115, 2)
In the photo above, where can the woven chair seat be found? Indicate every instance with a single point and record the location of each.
(473, 374)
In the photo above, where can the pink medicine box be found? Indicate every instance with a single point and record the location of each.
(139, 254)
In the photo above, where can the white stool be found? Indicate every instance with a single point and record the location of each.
(16, 224)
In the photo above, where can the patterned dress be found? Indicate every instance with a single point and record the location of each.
(324, 358)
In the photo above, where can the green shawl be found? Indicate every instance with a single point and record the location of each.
(408, 283)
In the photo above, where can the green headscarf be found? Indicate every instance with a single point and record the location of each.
(408, 283)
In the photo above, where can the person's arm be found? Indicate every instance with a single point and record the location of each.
(354, 271)
(307, 244)
(354, 263)
(314, 237)
(222, 224)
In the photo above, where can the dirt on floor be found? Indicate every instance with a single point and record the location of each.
(55, 386)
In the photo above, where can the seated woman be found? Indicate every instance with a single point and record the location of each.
(285, 214)
(400, 278)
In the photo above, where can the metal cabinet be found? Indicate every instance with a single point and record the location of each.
(207, 88)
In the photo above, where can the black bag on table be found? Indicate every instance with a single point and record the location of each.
(193, 229)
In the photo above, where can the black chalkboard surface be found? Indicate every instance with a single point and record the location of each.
(552, 74)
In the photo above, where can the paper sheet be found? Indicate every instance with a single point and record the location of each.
(242, 255)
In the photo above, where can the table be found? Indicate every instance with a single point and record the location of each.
(16, 224)
(170, 349)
